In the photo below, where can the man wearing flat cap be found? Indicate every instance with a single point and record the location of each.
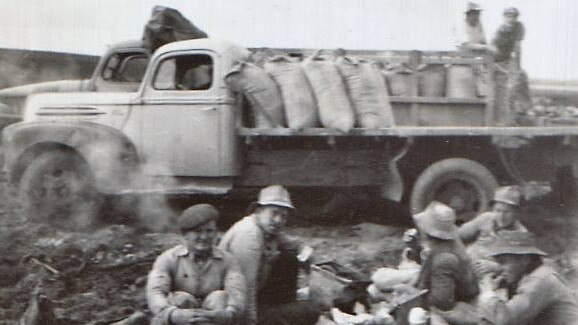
(269, 261)
(196, 282)
(446, 269)
(536, 294)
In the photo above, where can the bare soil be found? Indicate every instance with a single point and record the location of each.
(98, 277)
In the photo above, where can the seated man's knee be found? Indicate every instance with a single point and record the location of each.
(183, 300)
(216, 300)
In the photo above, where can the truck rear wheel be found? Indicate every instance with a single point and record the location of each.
(465, 185)
(58, 188)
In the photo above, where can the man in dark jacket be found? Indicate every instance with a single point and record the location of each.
(446, 270)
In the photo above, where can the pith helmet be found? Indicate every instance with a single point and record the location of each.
(515, 243)
(512, 11)
(473, 7)
(275, 195)
(511, 195)
(437, 220)
(197, 215)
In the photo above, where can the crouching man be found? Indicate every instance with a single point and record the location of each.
(536, 294)
(196, 282)
(269, 261)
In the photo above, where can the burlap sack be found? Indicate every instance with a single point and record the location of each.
(335, 109)
(368, 93)
(298, 98)
(261, 92)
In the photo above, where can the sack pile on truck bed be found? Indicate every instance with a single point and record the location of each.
(320, 91)
(168, 25)
(544, 111)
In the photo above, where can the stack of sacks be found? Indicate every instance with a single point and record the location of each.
(335, 109)
(261, 92)
(367, 92)
(298, 99)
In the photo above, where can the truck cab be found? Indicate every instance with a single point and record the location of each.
(176, 133)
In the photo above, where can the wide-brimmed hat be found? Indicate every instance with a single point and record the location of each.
(515, 243)
(197, 215)
(511, 195)
(437, 220)
(472, 6)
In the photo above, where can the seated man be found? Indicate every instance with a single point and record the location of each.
(536, 294)
(269, 261)
(482, 230)
(446, 269)
(196, 282)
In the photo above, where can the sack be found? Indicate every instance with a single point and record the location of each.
(335, 110)
(461, 82)
(432, 80)
(398, 79)
(168, 25)
(261, 92)
(368, 93)
(298, 99)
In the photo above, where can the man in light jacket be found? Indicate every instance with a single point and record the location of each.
(536, 294)
(269, 261)
(196, 283)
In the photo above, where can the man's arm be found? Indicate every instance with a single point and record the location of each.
(235, 286)
(470, 230)
(247, 250)
(159, 285)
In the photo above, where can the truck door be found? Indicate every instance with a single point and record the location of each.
(181, 118)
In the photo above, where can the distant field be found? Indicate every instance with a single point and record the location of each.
(20, 67)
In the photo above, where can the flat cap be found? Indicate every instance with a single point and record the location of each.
(197, 215)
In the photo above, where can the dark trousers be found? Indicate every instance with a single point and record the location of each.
(276, 300)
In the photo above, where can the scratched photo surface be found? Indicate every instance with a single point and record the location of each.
(365, 111)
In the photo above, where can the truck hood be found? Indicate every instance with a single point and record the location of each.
(46, 87)
(75, 104)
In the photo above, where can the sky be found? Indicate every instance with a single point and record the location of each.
(550, 50)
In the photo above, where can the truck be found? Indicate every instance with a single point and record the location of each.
(71, 149)
(119, 69)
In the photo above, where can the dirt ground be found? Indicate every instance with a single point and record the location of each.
(98, 277)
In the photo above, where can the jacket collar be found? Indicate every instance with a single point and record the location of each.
(183, 251)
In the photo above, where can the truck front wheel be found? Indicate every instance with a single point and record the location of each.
(465, 185)
(58, 187)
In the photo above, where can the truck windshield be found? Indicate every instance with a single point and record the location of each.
(185, 72)
(125, 67)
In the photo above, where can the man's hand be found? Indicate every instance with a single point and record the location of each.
(222, 316)
(483, 267)
(187, 316)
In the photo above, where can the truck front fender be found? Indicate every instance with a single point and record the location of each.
(111, 156)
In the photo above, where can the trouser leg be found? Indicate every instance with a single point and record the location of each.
(294, 313)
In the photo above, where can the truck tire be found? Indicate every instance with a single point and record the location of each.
(465, 185)
(57, 187)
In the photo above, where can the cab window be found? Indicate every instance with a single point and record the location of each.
(185, 72)
(125, 67)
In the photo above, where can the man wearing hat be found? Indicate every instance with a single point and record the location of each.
(508, 37)
(196, 282)
(446, 269)
(474, 37)
(269, 261)
(536, 293)
(504, 216)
